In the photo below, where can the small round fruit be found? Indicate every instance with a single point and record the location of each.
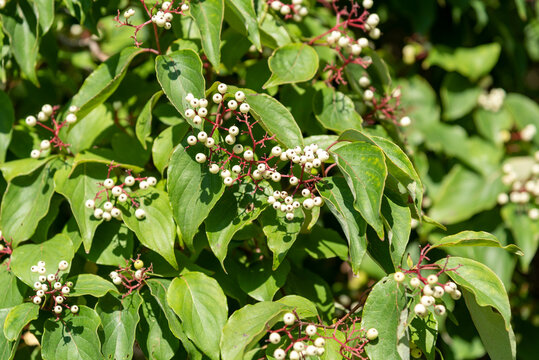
(427, 300)
(289, 319)
(415, 282)
(310, 330)
(420, 310)
(36, 300)
(274, 338)
(140, 214)
(279, 354)
(456, 295)
(372, 334)
(432, 279)
(139, 264)
(399, 276)
(74, 309)
(57, 309)
(320, 342)
(416, 353)
(439, 310)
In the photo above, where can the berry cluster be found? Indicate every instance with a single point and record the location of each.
(524, 189)
(51, 287)
(160, 15)
(3, 3)
(118, 193)
(236, 163)
(295, 10)
(339, 37)
(430, 289)
(132, 275)
(5, 249)
(493, 100)
(49, 112)
(513, 136)
(303, 339)
(300, 346)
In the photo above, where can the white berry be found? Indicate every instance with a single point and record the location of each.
(372, 334)
(289, 319)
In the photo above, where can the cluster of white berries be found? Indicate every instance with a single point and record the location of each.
(338, 39)
(523, 191)
(119, 195)
(45, 114)
(3, 4)
(129, 13)
(430, 292)
(300, 349)
(137, 275)
(527, 133)
(296, 9)
(493, 100)
(281, 201)
(50, 285)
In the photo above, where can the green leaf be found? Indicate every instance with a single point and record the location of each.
(7, 348)
(482, 282)
(498, 340)
(19, 217)
(458, 95)
(261, 282)
(471, 62)
(292, 63)
(335, 111)
(73, 338)
(275, 118)
(7, 118)
(17, 318)
(280, 232)
(22, 30)
(143, 128)
(423, 333)
(164, 143)
(340, 200)
(398, 163)
(222, 222)
(490, 124)
(303, 307)
(119, 319)
(90, 284)
(179, 74)
(244, 10)
(208, 15)
(525, 232)
(193, 192)
(115, 244)
(464, 193)
(364, 168)
(45, 13)
(201, 304)
(13, 290)
(153, 334)
(159, 288)
(272, 31)
(51, 252)
(12, 169)
(324, 243)
(382, 311)
(103, 81)
(86, 132)
(157, 231)
(82, 184)
(475, 238)
(247, 326)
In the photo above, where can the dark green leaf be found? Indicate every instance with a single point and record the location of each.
(7, 118)
(261, 282)
(292, 63)
(144, 121)
(364, 168)
(475, 238)
(17, 318)
(201, 304)
(119, 319)
(335, 111)
(340, 201)
(179, 74)
(73, 338)
(193, 192)
(208, 15)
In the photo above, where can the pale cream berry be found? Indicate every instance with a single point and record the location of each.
(214, 168)
(59, 299)
(320, 342)
(34, 154)
(293, 180)
(244, 108)
(234, 130)
(98, 213)
(427, 290)
(36, 300)
(240, 96)
(117, 280)
(74, 309)
(45, 145)
(372, 334)
(248, 155)
(311, 350)
(415, 282)
(317, 201)
(107, 216)
(71, 118)
(129, 180)
(438, 292)
(232, 105)
(51, 277)
(190, 113)
(108, 206)
(439, 310)
(222, 88)
(427, 300)
(47, 109)
(185, 7)
(192, 140)
(279, 354)
(456, 295)
(237, 149)
(289, 319)
(89, 204)
(31, 121)
(209, 143)
(299, 346)
(66, 290)
(115, 213)
(274, 338)
(108, 183)
(217, 98)
(202, 136)
(310, 330)
(228, 181)
(230, 139)
(57, 309)
(305, 192)
(116, 191)
(289, 216)
(122, 198)
(399, 276)
(432, 279)
(140, 214)
(420, 310)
